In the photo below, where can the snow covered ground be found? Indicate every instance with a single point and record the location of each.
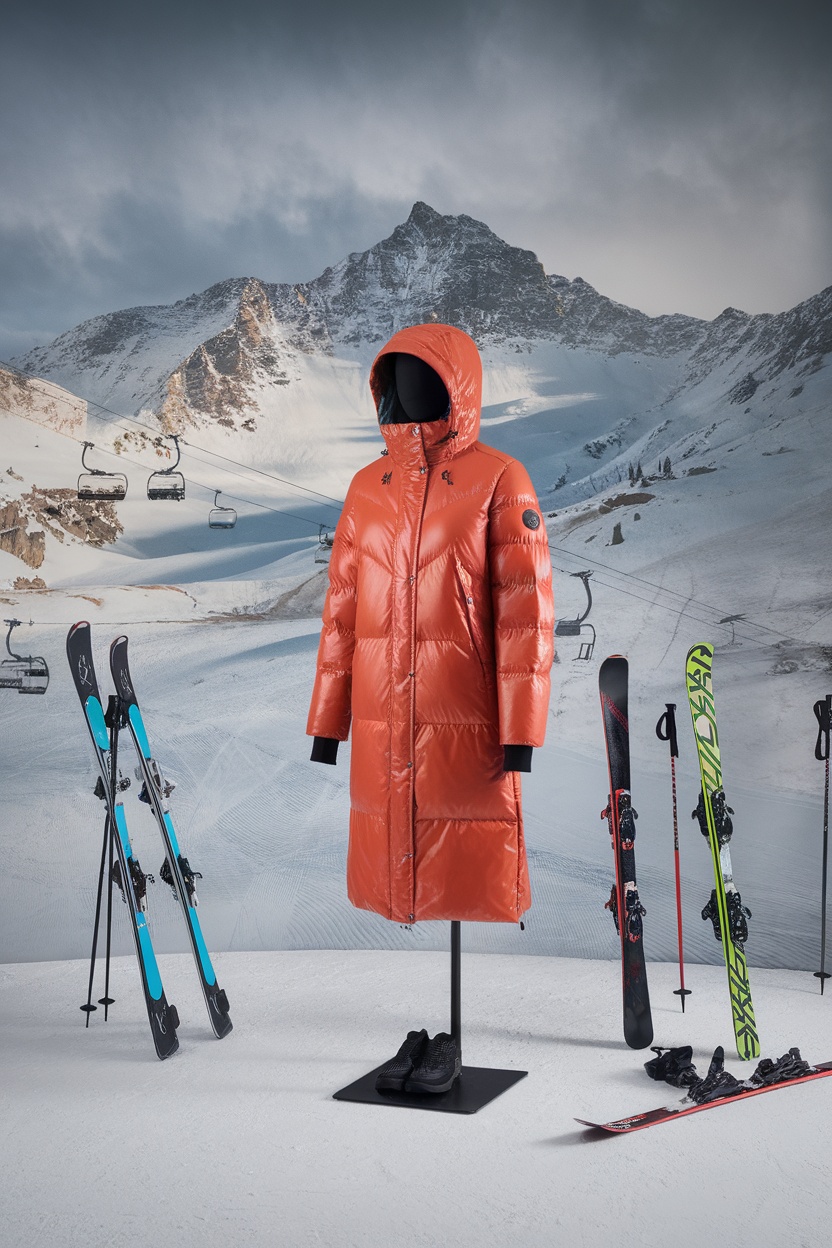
(239, 1141)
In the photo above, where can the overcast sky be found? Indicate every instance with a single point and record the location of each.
(674, 153)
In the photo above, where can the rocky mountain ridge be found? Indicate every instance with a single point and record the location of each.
(200, 357)
(279, 367)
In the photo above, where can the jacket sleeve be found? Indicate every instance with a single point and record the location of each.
(330, 709)
(523, 608)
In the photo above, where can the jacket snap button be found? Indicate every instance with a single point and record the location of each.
(469, 599)
(423, 469)
(410, 764)
(415, 431)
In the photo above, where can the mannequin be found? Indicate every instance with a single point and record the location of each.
(416, 392)
(435, 659)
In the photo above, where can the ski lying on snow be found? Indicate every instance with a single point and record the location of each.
(624, 902)
(176, 870)
(668, 1112)
(725, 909)
(163, 1017)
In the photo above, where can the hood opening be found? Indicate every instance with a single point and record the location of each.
(411, 391)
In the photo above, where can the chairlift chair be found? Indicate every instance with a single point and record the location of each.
(324, 547)
(26, 674)
(574, 628)
(220, 517)
(166, 483)
(96, 485)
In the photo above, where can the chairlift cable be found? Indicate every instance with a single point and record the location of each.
(92, 403)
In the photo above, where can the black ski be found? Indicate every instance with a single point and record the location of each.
(176, 870)
(624, 904)
(131, 880)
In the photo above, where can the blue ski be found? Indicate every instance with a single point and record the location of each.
(176, 870)
(163, 1017)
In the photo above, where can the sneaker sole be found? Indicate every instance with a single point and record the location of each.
(414, 1085)
(388, 1084)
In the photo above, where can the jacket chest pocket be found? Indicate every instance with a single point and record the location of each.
(472, 611)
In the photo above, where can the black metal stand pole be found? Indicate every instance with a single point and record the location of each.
(456, 985)
(823, 712)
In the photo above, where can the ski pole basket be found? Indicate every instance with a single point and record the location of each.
(97, 485)
(220, 517)
(26, 674)
(167, 484)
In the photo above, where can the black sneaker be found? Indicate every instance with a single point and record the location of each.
(439, 1068)
(393, 1074)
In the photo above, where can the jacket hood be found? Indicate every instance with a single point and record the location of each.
(454, 356)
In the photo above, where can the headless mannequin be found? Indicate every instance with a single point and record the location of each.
(416, 393)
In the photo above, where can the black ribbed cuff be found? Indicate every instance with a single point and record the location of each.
(324, 750)
(517, 758)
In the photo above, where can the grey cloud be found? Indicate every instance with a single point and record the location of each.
(676, 156)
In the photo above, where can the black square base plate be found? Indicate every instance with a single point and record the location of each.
(475, 1087)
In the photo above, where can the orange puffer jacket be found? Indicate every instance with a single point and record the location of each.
(437, 645)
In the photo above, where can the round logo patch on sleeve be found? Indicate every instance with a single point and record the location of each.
(531, 519)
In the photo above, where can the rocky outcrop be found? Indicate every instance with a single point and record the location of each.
(59, 513)
(216, 380)
(42, 401)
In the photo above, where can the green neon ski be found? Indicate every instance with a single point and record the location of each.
(698, 674)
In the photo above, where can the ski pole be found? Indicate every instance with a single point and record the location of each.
(823, 714)
(666, 731)
(107, 1000)
(89, 1007)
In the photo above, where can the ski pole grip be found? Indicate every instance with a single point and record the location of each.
(666, 728)
(823, 714)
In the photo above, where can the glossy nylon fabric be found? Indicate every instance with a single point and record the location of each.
(436, 650)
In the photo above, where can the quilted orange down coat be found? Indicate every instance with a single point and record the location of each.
(436, 647)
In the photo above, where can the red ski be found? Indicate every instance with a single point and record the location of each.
(654, 1116)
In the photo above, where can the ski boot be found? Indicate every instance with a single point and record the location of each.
(633, 914)
(718, 1082)
(673, 1065)
(188, 876)
(790, 1066)
(612, 906)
